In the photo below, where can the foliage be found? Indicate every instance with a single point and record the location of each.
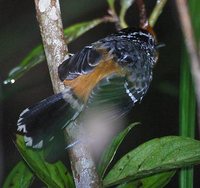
(151, 164)
(111, 150)
(37, 56)
(157, 155)
(20, 176)
(54, 175)
(187, 95)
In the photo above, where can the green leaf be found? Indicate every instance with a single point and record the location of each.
(156, 12)
(187, 114)
(20, 176)
(157, 155)
(111, 4)
(155, 181)
(125, 4)
(33, 58)
(54, 175)
(111, 150)
(187, 95)
(37, 55)
(194, 6)
(73, 32)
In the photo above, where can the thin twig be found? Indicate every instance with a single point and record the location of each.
(156, 12)
(114, 18)
(142, 14)
(49, 18)
(191, 47)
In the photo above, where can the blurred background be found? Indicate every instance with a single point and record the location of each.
(19, 33)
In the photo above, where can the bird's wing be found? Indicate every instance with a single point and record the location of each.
(118, 93)
(81, 63)
(111, 93)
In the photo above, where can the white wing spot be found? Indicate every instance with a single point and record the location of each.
(39, 145)
(21, 128)
(26, 110)
(51, 138)
(20, 119)
(28, 141)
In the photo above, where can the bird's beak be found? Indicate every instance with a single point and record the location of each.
(161, 45)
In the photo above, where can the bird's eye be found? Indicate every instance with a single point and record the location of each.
(151, 42)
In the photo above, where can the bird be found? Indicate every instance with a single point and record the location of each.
(114, 71)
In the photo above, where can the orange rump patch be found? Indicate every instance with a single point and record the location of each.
(83, 84)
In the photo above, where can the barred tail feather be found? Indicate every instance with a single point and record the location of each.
(41, 122)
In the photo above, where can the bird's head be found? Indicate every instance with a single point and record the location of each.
(143, 46)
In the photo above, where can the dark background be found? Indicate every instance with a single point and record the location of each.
(19, 33)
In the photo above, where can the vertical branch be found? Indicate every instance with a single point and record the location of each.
(191, 47)
(49, 18)
(83, 167)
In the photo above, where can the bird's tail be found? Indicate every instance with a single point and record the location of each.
(43, 122)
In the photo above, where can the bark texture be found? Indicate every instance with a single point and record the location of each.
(49, 18)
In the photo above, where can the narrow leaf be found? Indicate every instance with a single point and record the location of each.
(187, 114)
(157, 155)
(37, 55)
(54, 175)
(111, 150)
(125, 4)
(76, 30)
(20, 176)
(156, 12)
(33, 58)
(187, 95)
(111, 4)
